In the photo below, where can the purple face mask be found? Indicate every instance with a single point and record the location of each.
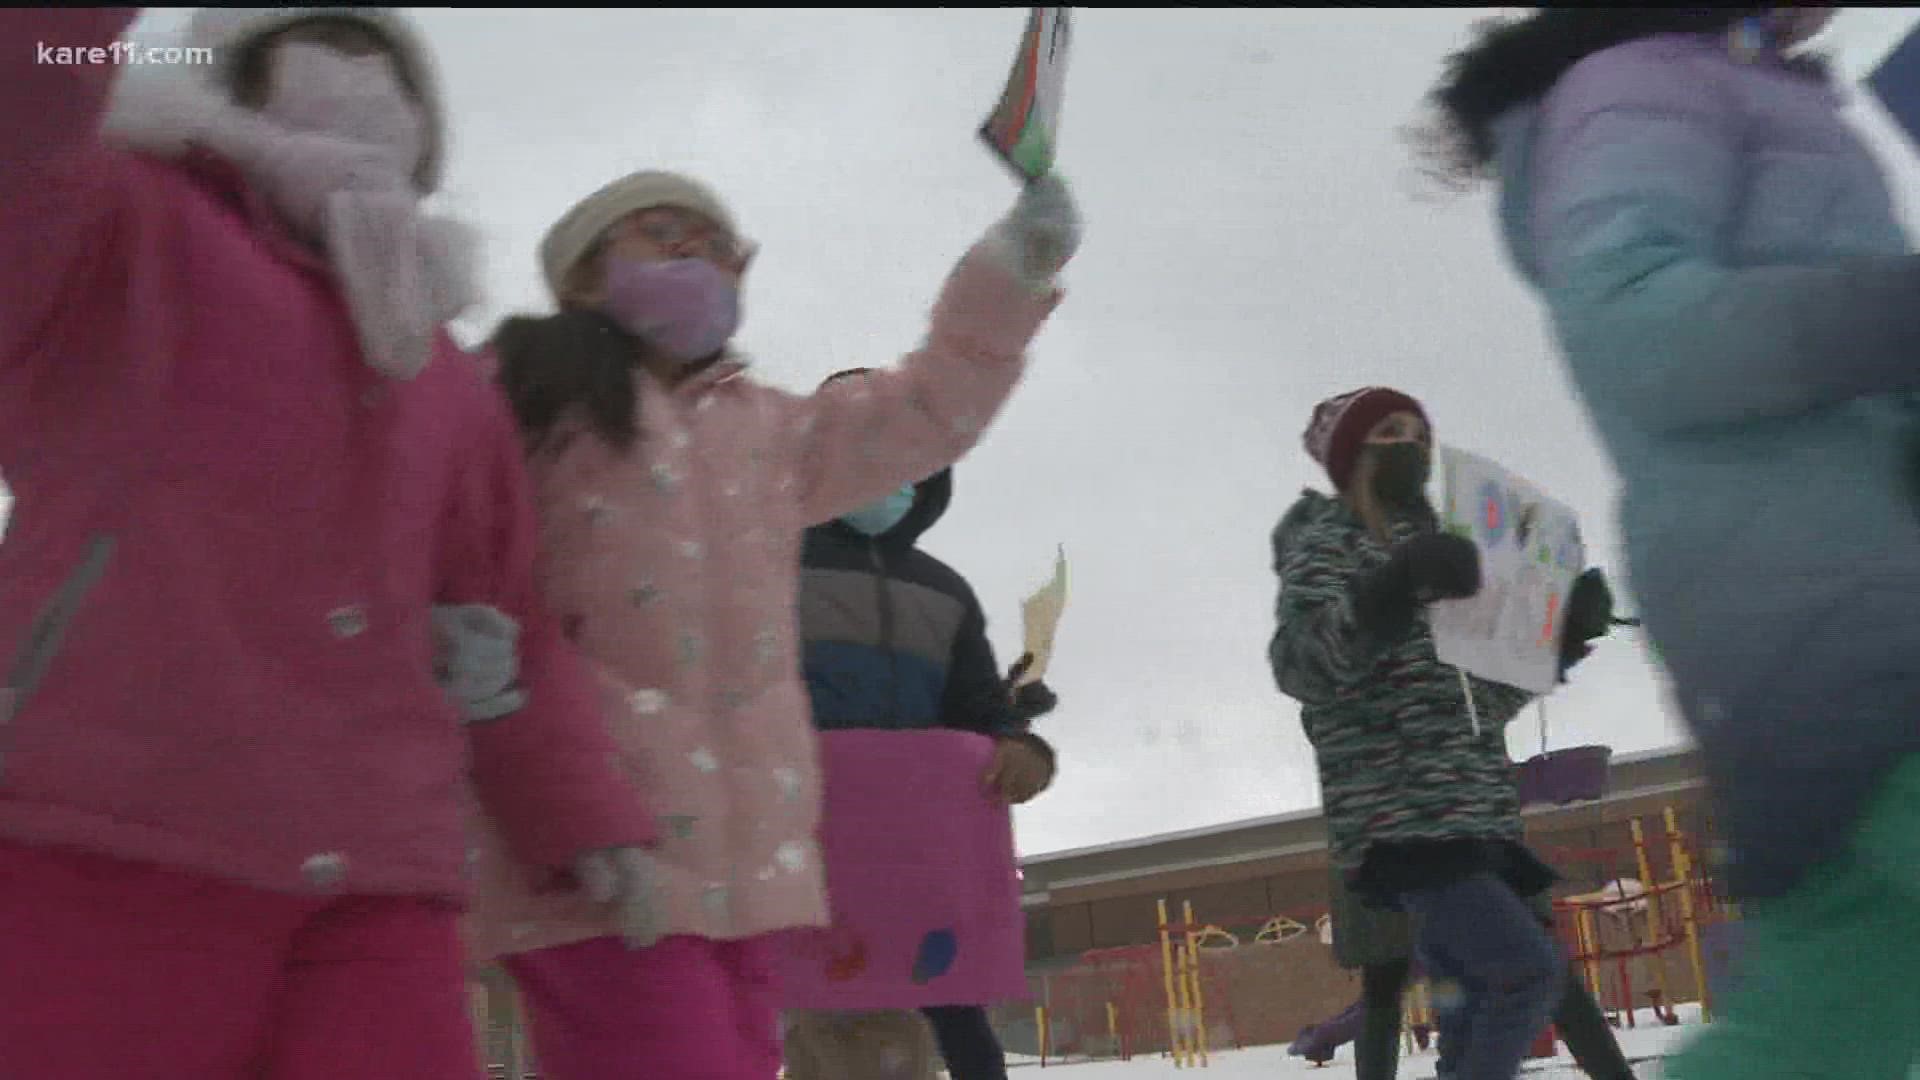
(686, 308)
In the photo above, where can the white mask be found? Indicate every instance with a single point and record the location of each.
(359, 98)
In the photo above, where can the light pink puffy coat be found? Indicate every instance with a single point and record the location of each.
(675, 567)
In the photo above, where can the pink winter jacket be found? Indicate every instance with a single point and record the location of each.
(675, 566)
(246, 691)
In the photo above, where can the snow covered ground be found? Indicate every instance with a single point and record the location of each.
(1649, 1041)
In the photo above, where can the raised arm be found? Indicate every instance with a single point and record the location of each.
(861, 436)
(55, 213)
(53, 97)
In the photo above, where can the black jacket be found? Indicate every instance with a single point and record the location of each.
(893, 637)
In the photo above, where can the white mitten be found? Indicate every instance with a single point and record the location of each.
(1041, 234)
(625, 879)
(478, 664)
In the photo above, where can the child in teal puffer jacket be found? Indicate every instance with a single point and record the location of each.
(1735, 299)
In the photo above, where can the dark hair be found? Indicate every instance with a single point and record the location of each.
(580, 361)
(1516, 61)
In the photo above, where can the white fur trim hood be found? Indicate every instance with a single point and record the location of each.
(400, 281)
(228, 32)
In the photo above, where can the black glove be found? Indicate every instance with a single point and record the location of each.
(1589, 616)
(1429, 567)
(1033, 701)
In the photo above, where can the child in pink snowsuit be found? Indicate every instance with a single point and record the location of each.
(248, 463)
(673, 492)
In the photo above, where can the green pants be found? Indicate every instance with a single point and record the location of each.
(1830, 976)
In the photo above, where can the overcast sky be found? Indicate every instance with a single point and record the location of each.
(1255, 242)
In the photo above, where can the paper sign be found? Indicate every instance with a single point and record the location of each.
(920, 877)
(1024, 128)
(1041, 615)
(1896, 82)
(1530, 553)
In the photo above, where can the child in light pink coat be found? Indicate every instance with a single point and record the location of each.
(673, 492)
(248, 464)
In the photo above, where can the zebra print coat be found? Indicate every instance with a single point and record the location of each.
(1398, 754)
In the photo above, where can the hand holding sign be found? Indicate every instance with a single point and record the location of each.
(1530, 552)
(1041, 614)
(1023, 129)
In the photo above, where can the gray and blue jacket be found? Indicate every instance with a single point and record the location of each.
(894, 638)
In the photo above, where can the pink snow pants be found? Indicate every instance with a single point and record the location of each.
(686, 1009)
(113, 970)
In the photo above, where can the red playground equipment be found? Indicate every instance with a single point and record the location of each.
(1173, 998)
(1635, 917)
(1641, 940)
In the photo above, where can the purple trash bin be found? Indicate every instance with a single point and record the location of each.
(1559, 777)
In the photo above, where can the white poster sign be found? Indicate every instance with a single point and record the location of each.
(1530, 554)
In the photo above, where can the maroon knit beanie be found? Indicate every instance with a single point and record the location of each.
(1340, 424)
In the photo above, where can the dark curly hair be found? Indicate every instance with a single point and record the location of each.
(1516, 61)
(578, 360)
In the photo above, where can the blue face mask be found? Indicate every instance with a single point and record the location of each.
(882, 514)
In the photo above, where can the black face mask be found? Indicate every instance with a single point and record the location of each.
(1400, 473)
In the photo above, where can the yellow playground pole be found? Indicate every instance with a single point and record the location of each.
(1589, 939)
(1113, 1031)
(1683, 872)
(1175, 1044)
(1656, 925)
(1185, 987)
(1199, 1013)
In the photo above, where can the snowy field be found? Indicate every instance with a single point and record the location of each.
(1644, 1045)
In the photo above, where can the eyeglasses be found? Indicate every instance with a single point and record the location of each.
(673, 229)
